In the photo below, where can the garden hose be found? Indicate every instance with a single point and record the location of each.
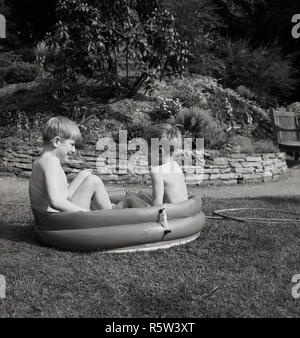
(220, 215)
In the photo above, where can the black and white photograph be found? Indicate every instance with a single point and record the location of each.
(149, 162)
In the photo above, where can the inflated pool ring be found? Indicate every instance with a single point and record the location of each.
(121, 229)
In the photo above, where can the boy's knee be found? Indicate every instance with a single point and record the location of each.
(85, 173)
(94, 180)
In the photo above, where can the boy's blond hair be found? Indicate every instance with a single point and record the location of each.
(62, 127)
(164, 131)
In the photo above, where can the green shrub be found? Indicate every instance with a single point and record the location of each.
(245, 92)
(96, 118)
(22, 126)
(134, 115)
(22, 120)
(206, 63)
(3, 71)
(138, 123)
(2, 81)
(4, 62)
(21, 72)
(37, 99)
(240, 144)
(95, 128)
(44, 53)
(237, 113)
(241, 116)
(188, 94)
(243, 144)
(167, 109)
(232, 111)
(264, 70)
(27, 54)
(265, 146)
(94, 36)
(199, 123)
(7, 59)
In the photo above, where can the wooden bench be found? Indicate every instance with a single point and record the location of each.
(286, 130)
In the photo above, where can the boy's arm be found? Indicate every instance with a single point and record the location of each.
(56, 198)
(157, 189)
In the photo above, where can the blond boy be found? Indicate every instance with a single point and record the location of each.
(48, 188)
(168, 181)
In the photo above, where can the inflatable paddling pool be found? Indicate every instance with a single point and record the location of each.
(121, 230)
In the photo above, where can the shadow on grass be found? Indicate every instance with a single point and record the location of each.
(294, 201)
(18, 233)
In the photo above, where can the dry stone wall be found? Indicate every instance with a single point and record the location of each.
(202, 169)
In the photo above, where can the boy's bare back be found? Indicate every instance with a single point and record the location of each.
(170, 178)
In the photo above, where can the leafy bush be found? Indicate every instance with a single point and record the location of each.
(134, 115)
(236, 113)
(243, 144)
(95, 128)
(78, 108)
(22, 120)
(199, 123)
(265, 146)
(4, 62)
(138, 123)
(195, 19)
(241, 116)
(231, 111)
(44, 53)
(166, 109)
(94, 36)
(7, 59)
(2, 81)
(21, 72)
(27, 54)
(245, 92)
(240, 144)
(188, 94)
(198, 21)
(206, 63)
(24, 126)
(37, 99)
(264, 70)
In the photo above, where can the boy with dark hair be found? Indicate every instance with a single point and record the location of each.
(168, 181)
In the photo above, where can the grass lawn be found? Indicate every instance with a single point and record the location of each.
(231, 270)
